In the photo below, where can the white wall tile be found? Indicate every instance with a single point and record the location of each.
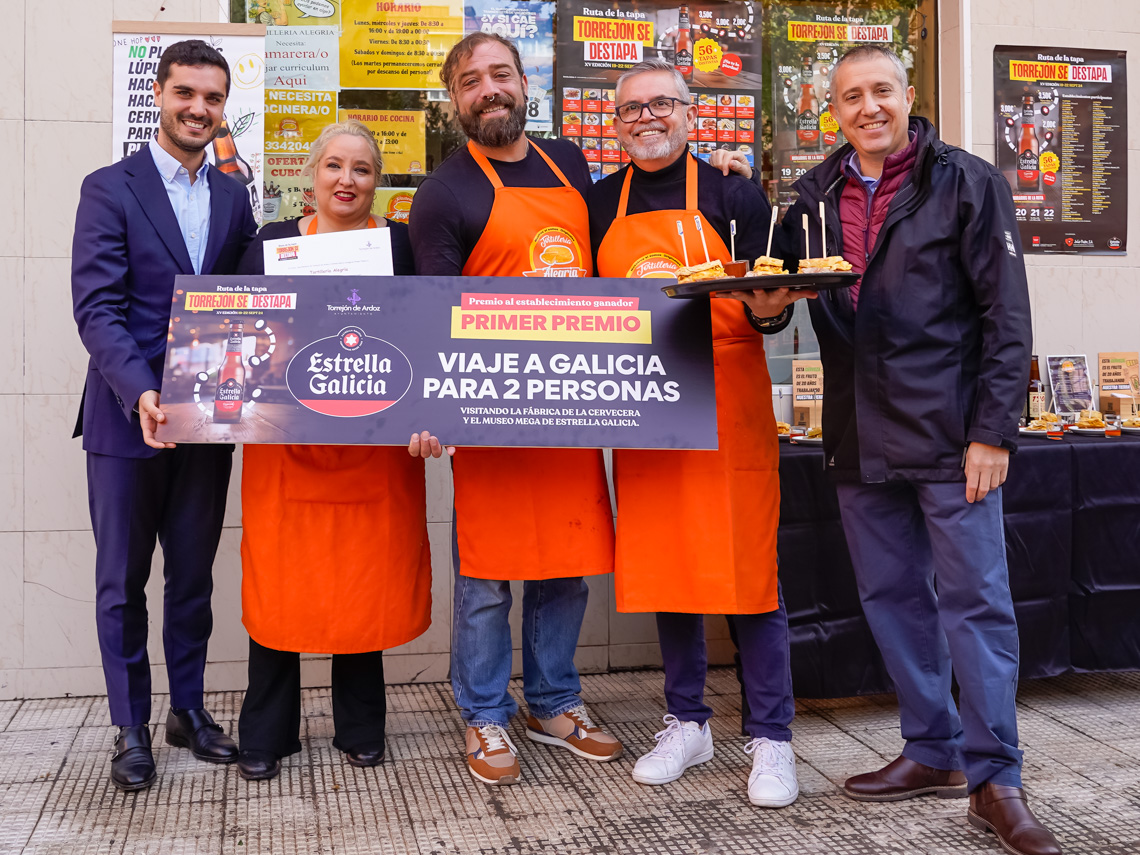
(596, 622)
(11, 466)
(1107, 324)
(12, 325)
(950, 86)
(59, 155)
(1059, 311)
(59, 600)
(68, 63)
(1013, 13)
(153, 10)
(11, 599)
(55, 491)
(57, 682)
(1108, 15)
(437, 473)
(12, 186)
(12, 62)
(55, 358)
(416, 668)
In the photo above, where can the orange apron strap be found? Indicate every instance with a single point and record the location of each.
(485, 165)
(623, 203)
(690, 184)
(312, 230)
(493, 176)
(550, 163)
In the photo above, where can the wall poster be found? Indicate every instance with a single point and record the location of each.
(715, 44)
(1061, 133)
(137, 49)
(806, 42)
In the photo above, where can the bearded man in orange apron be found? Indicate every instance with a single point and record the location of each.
(696, 530)
(538, 515)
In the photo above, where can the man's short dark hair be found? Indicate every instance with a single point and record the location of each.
(465, 47)
(190, 52)
(872, 51)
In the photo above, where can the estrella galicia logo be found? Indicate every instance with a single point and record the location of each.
(349, 375)
(354, 297)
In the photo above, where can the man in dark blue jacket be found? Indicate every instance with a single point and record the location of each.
(925, 368)
(156, 214)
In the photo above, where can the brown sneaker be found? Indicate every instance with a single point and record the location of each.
(903, 778)
(575, 730)
(1003, 811)
(491, 756)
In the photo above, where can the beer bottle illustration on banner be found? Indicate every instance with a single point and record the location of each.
(683, 46)
(230, 391)
(807, 111)
(226, 156)
(1028, 149)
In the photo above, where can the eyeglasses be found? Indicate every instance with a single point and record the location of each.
(659, 108)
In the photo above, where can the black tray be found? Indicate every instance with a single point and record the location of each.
(795, 281)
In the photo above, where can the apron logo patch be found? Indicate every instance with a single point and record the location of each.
(555, 252)
(654, 265)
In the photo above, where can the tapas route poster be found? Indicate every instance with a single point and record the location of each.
(715, 45)
(806, 43)
(543, 361)
(1061, 134)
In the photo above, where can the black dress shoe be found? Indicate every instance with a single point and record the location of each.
(258, 765)
(196, 730)
(132, 767)
(365, 757)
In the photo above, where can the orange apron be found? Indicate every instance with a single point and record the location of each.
(334, 546)
(532, 513)
(696, 530)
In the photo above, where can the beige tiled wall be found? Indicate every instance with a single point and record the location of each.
(55, 128)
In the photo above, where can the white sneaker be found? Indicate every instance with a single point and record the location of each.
(773, 780)
(680, 745)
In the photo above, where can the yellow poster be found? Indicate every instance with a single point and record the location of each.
(393, 203)
(293, 120)
(303, 13)
(400, 135)
(386, 44)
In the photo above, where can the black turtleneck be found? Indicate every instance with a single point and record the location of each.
(720, 199)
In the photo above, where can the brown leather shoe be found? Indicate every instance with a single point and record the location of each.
(903, 778)
(1004, 811)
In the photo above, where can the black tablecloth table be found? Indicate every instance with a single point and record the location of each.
(1072, 528)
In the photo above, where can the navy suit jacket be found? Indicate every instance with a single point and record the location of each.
(126, 252)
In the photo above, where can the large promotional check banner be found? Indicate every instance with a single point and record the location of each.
(479, 361)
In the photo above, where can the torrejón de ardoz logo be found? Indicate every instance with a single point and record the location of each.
(349, 375)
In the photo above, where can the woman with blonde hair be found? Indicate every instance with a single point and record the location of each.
(334, 545)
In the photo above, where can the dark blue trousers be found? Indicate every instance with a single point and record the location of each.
(179, 498)
(934, 585)
(764, 661)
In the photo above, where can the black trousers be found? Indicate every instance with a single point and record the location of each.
(271, 712)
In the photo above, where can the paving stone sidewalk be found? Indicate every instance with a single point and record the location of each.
(1081, 735)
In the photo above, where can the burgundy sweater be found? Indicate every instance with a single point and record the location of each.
(862, 215)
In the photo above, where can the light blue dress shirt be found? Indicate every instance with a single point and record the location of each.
(191, 202)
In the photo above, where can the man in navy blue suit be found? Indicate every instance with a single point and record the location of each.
(161, 212)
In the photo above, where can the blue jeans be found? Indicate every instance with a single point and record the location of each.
(905, 538)
(765, 667)
(481, 646)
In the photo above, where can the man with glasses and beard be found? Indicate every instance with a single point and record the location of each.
(696, 530)
(508, 205)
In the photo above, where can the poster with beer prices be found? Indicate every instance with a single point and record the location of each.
(1061, 135)
(715, 45)
(806, 43)
(540, 361)
(237, 149)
